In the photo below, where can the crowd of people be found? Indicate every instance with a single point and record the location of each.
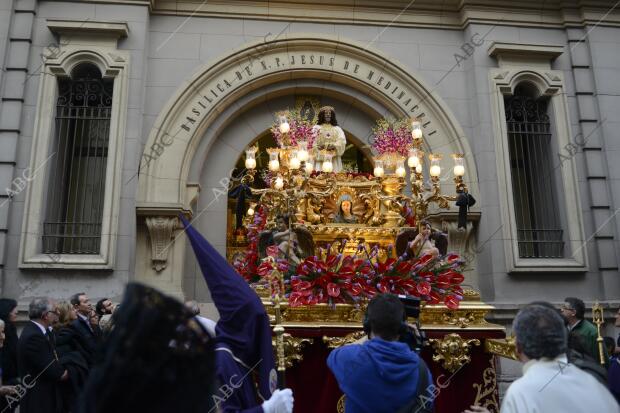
(153, 354)
(55, 350)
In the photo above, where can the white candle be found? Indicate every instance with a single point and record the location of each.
(279, 183)
(435, 170)
(250, 211)
(327, 166)
(274, 165)
(295, 163)
(400, 171)
(250, 163)
(379, 172)
(459, 170)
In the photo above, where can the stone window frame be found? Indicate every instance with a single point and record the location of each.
(520, 63)
(80, 42)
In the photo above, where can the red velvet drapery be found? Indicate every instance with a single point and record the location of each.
(315, 389)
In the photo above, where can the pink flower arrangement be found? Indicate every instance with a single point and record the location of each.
(392, 136)
(300, 129)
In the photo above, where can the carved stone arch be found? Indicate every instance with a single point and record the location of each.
(190, 122)
(106, 62)
(194, 106)
(547, 84)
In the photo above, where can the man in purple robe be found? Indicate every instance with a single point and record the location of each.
(243, 338)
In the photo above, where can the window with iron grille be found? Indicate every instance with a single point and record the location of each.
(539, 230)
(76, 186)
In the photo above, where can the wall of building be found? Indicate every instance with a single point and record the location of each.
(167, 50)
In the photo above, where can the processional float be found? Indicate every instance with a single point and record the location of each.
(321, 240)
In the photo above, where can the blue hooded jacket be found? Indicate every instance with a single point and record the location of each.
(376, 376)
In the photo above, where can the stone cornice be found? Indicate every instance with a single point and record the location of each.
(549, 52)
(451, 14)
(112, 29)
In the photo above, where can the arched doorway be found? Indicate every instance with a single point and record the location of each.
(199, 136)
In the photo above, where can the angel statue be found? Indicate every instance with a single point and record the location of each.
(417, 243)
(328, 137)
(293, 246)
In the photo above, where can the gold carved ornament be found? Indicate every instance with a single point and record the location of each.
(453, 350)
(293, 347)
(335, 342)
(502, 347)
(486, 392)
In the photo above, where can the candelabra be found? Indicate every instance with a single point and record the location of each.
(422, 195)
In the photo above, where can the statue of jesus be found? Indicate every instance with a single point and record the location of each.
(328, 137)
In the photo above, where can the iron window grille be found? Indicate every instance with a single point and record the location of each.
(77, 180)
(539, 233)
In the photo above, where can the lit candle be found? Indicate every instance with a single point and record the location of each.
(327, 166)
(379, 171)
(416, 129)
(435, 169)
(400, 169)
(284, 125)
(414, 158)
(250, 163)
(250, 158)
(302, 153)
(418, 168)
(279, 184)
(274, 163)
(309, 166)
(294, 162)
(250, 211)
(459, 168)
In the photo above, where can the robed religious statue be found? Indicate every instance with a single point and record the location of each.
(426, 241)
(294, 244)
(329, 138)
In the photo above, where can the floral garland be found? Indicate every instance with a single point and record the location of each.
(336, 278)
(392, 136)
(346, 279)
(248, 266)
(300, 129)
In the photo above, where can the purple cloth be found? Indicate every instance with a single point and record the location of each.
(243, 327)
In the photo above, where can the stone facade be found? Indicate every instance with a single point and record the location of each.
(202, 81)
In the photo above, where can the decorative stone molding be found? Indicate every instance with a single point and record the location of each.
(81, 27)
(515, 68)
(97, 46)
(161, 230)
(448, 14)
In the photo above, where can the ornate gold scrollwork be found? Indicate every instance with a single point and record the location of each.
(453, 350)
(340, 404)
(486, 392)
(335, 342)
(460, 319)
(502, 347)
(293, 347)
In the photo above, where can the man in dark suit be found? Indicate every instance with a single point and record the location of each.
(91, 333)
(38, 364)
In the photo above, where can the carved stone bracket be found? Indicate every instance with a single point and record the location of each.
(453, 350)
(293, 347)
(161, 229)
(335, 342)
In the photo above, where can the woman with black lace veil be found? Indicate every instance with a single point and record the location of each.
(156, 359)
